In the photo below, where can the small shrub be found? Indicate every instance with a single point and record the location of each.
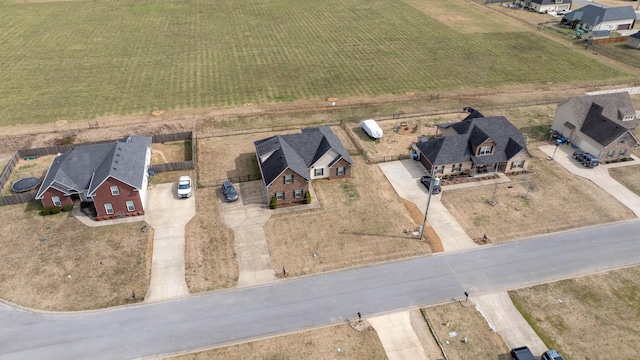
(67, 208)
(273, 204)
(45, 211)
(307, 197)
(56, 209)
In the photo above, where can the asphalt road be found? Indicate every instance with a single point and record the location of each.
(225, 317)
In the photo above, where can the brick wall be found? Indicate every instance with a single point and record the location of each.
(118, 202)
(278, 185)
(47, 202)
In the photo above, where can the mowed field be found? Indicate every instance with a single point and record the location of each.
(85, 59)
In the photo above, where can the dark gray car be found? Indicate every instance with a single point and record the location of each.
(229, 191)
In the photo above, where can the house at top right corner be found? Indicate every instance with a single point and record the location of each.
(602, 125)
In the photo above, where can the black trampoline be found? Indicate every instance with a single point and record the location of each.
(25, 184)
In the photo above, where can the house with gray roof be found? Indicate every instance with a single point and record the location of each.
(288, 163)
(476, 145)
(602, 125)
(112, 176)
(543, 6)
(592, 18)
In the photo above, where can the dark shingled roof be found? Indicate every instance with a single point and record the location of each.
(594, 15)
(297, 152)
(613, 106)
(457, 148)
(600, 128)
(85, 167)
(636, 35)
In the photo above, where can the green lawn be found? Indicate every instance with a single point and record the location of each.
(84, 59)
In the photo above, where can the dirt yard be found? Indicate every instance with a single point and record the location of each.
(340, 341)
(170, 152)
(627, 176)
(61, 265)
(362, 221)
(591, 317)
(210, 256)
(26, 168)
(547, 200)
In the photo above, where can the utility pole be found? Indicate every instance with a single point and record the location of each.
(426, 211)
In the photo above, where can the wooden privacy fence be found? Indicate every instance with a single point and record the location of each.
(58, 149)
(235, 179)
(610, 40)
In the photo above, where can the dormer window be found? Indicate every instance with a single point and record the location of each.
(485, 150)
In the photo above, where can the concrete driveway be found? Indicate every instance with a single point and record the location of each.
(598, 175)
(404, 176)
(168, 216)
(246, 217)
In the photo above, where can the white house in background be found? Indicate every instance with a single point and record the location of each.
(543, 6)
(593, 18)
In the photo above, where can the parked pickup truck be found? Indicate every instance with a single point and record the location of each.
(522, 353)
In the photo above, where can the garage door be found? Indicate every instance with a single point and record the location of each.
(624, 27)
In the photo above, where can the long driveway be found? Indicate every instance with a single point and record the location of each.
(220, 318)
(168, 216)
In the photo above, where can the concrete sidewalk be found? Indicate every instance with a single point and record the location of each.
(168, 216)
(599, 175)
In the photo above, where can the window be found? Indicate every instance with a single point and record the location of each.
(298, 193)
(623, 152)
(517, 164)
(280, 195)
(485, 150)
(340, 171)
(439, 169)
(622, 141)
(288, 179)
(611, 153)
(56, 201)
(318, 172)
(456, 167)
(131, 206)
(115, 191)
(108, 208)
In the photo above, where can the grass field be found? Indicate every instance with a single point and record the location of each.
(84, 59)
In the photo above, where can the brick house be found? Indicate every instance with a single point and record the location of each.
(288, 163)
(602, 125)
(112, 176)
(476, 145)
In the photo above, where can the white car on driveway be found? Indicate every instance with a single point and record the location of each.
(184, 186)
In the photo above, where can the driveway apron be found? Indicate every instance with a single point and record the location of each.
(247, 217)
(168, 216)
(397, 336)
(599, 175)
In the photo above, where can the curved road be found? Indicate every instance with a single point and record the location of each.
(225, 317)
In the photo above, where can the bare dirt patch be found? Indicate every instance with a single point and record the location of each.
(453, 323)
(334, 342)
(210, 256)
(63, 265)
(590, 317)
(557, 200)
(170, 152)
(362, 221)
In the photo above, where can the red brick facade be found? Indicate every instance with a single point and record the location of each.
(342, 163)
(287, 190)
(47, 199)
(103, 195)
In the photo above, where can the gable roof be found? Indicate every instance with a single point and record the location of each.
(475, 130)
(297, 152)
(594, 15)
(614, 107)
(600, 128)
(636, 35)
(85, 167)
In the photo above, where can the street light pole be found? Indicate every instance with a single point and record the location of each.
(426, 211)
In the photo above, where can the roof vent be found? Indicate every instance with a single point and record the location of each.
(128, 138)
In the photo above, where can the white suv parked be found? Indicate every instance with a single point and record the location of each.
(184, 186)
